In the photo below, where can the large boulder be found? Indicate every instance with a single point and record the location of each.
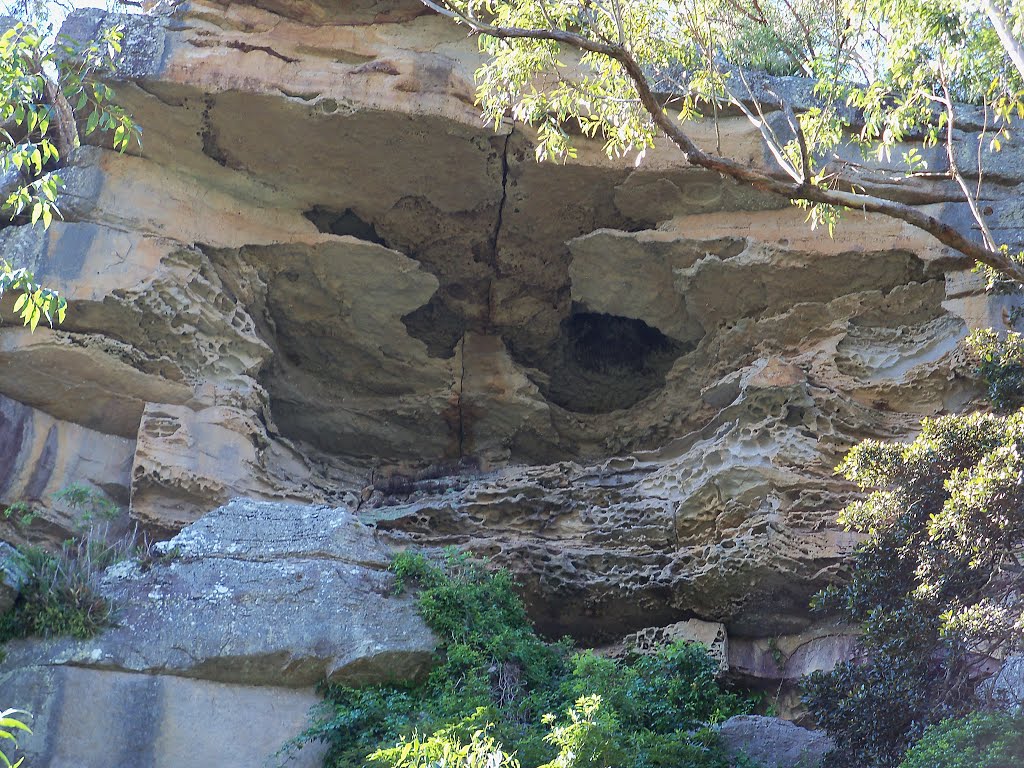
(259, 594)
(774, 743)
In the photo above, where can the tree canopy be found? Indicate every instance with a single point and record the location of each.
(50, 94)
(935, 585)
(885, 74)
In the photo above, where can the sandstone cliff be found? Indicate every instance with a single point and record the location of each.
(323, 281)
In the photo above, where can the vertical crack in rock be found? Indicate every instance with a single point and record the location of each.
(459, 403)
(499, 220)
(459, 420)
(209, 136)
(504, 195)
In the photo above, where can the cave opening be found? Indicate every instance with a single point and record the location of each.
(346, 222)
(604, 363)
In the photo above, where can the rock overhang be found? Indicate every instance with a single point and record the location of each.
(330, 273)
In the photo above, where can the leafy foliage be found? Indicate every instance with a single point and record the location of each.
(10, 723)
(1001, 366)
(590, 737)
(45, 91)
(894, 60)
(60, 594)
(978, 741)
(466, 744)
(91, 506)
(498, 689)
(36, 301)
(888, 76)
(934, 585)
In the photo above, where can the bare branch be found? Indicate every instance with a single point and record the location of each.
(794, 124)
(804, 29)
(617, 16)
(954, 169)
(774, 144)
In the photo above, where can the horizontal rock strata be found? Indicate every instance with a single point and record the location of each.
(323, 283)
(257, 594)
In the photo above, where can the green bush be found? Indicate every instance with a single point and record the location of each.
(498, 682)
(978, 741)
(60, 594)
(934, 585)
(466, 744)
(590, 738)
(1001, 365)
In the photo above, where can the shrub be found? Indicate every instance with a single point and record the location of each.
(591, 738)
(1001, 365)
(978, 741)
(60, 595)
(498, 687)
(91, 505)
(21, 514)
(9, 726)
(934, 585)
(467, 744)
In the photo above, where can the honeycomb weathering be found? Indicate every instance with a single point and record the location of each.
(324, 281)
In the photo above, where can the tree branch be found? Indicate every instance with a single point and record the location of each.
(954, 168)
(793, 190)
(1010, 43)
(794, 124)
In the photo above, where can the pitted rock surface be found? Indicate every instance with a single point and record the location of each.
(325, 282)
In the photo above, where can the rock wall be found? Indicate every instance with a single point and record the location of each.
(217, 642)
(324, 282)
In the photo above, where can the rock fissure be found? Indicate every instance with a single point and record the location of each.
(238, 45)
(503, 201)
(460, 401)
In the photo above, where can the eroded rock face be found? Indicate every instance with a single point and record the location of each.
(257, 594)
(325, 282)
(774, 743)
(725, 522)
(710, 634)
